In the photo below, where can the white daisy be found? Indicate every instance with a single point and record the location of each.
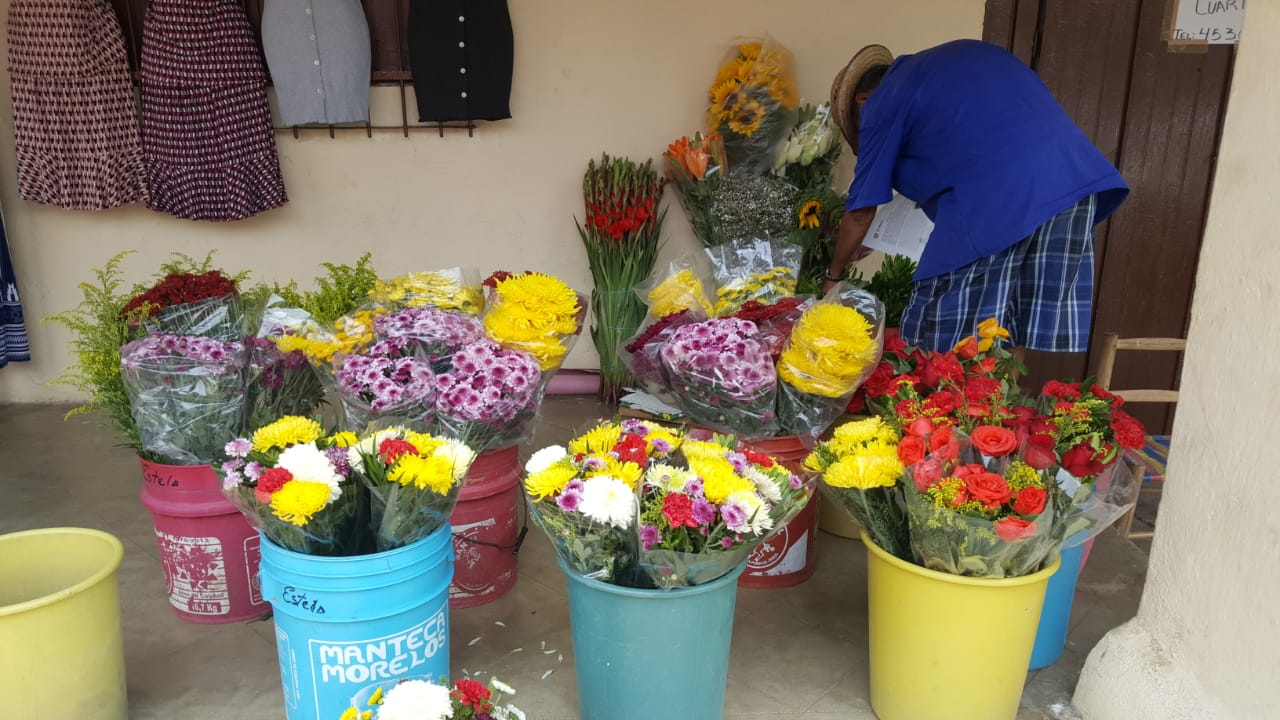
(608, 500)
(545, 458)
(767, 486)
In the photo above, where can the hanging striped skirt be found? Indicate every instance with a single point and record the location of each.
(206, 122)
(13, 331)
(74, 117)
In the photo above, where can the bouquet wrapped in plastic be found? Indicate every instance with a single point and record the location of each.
(723, 376)
(452, 289)
(696, 168)
(388, 383)
(196, 304)
(761, 270)
(294, 483)
(537, 314)
(811, 151)
(643, 353)
(752, 103)
(413, 481)
(831, 350)
(490, 396)
(186, 395)
(860, 469)
(284, 382)
(440, 334)
(433, 698)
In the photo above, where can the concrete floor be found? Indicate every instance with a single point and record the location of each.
(812, 661)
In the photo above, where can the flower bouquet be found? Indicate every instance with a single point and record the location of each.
(752, 103)
(439, 333)
(696, 168)
(186, 395)
(722, 375)
(760, 270)
(639, 505)
(811, 151)
(388, 383)
(413, 481)
(621, 235)
(490, 395)
(537, 314)
(203, 304)
(294, 483)
(860, 468)
(426, 699)
(282, 383)
(453, 289)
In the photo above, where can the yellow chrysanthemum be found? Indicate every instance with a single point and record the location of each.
(550, 481)
(873, 467)
(810, 215)
(858, 432)
(531, 313)
(425, 443)
(813, 462)
(747, 118)
(628, 472)
(434, 472)
(430, 289)
(830, 347)
(766, 287)
(720, 480)
(299, 501)
(291, 343)
(343, 439)
(702, 450)
(681, 291)
(288, 430)
(671, 439)
(598, 440)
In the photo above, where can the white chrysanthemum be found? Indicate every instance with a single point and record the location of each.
(369, 446)
(669, 477)
(459, 455)
(416, 700)
(501, 687)
(545, 458)
(757, 515)
(767, 486)
(309, 463)
(608, 500)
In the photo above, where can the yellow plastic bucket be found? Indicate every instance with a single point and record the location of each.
(60, 649)
(834, 519)
(946, 647)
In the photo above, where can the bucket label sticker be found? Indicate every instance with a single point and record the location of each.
(252, 558)
(195, 573)
(390, 657)
(465, 553)
(778, 556)
(288, 668)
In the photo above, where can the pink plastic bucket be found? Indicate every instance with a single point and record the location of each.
(487, 530)
(207, 549)
(787, 558)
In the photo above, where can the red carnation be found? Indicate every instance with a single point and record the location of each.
(678, 510)
(979, 390)
(392, 448)
(942, 402)
(1100, 392)
(857, 403)
(1129, 431)
(1029, 501)
(472, 695)
(632, 448)
(1061, 390)
(270, 482)
(1015, 528)
(759, 458)
(943, 368)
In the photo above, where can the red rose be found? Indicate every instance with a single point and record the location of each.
(473, 695)
(759, 458)
(1039, 456)
(1129, 431)
(879, 383)
(857, 403)
(893, 343)
(678, 510)
(967, 349)
(920, 427)
(987, 365)
(392, 448)
(925, 474)
(944, 445)
(994, 441)
(632, 448)
(1029, 501)
(943, 368)
(989, 489)
(1082, 460)
(1015, 528)
(270, 482)
(942, 402)
(911, 450)
(967, 471)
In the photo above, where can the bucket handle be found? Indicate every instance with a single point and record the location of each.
(514, 547)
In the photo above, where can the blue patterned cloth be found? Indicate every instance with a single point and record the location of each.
(1041, 289)
(13, 332)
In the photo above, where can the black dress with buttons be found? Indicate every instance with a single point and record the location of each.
(462, 55)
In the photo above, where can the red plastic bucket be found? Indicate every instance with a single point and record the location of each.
(487, 530)
(788, 557)
(208, 550)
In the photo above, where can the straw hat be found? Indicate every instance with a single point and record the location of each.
(843, 86)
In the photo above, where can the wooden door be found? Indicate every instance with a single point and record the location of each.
(1157, 114)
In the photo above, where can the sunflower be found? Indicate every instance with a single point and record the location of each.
(747, 118)
(750, 50)
(811, 215)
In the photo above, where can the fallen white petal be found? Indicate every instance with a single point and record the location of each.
(473, 642)
(518, 650)
(548, 652)
(547, 674)
(560, 658)
(499, 623)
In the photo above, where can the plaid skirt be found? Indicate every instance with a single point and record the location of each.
(1041, 290)
(74, 118)
(206, 123)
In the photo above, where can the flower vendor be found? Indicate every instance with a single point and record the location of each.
(1013, 187)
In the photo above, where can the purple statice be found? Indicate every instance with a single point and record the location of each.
(384, 384)
(703, 512)
(489, 384)
(439, 332)
(338, 456)
(238, 448)
(569, 500)
(649, 536)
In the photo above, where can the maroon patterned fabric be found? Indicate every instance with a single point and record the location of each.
(206, 123)
(74, 117)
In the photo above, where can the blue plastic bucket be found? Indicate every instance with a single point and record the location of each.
(637, 648)
(1055, 618)
(344, 624)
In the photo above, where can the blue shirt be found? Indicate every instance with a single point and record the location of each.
(976, 139)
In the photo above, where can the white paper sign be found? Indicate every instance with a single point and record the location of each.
(1216, 22)
(900, 228)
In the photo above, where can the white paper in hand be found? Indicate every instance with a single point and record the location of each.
(900, 228)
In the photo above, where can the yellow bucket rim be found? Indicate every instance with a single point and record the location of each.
(107, 570)
(901, 564)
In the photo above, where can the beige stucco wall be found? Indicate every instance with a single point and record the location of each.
(1206, 641)
(591, 76)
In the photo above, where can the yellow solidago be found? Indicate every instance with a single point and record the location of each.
(434, 472)
(550, 481)
(430, 289)
(1021, 476)
(288, 430)
(682, 291)
(598, 440)
(299, 501)
(830, 347)
(872, 467)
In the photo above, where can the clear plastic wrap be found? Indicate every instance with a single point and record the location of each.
(1085, 508)
(754, 269)
(696, 168)
(685, 284)
(186, 394)
(811, 150)
(451, 289)
(413, 481)
(296, 485)
(439, 333)
(490, 396)
(284, 383)
(861, 469)
(753, 102)
(389, 383)
(832, 350)
(590, 548)
(775, 321)
(537, 314)
(217, 318)
(723, 377)
(642, 354)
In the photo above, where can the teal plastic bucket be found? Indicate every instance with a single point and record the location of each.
(1055, 618)
(346, 624)
(635, 650)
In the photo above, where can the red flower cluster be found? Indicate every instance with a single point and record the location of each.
(270, 482)
(182, 288)
(472, 695)
(655, 330)
(755, 311)
(632, 448)
(677, 508)
(498, 276)
(392, 449)
(622, 216)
